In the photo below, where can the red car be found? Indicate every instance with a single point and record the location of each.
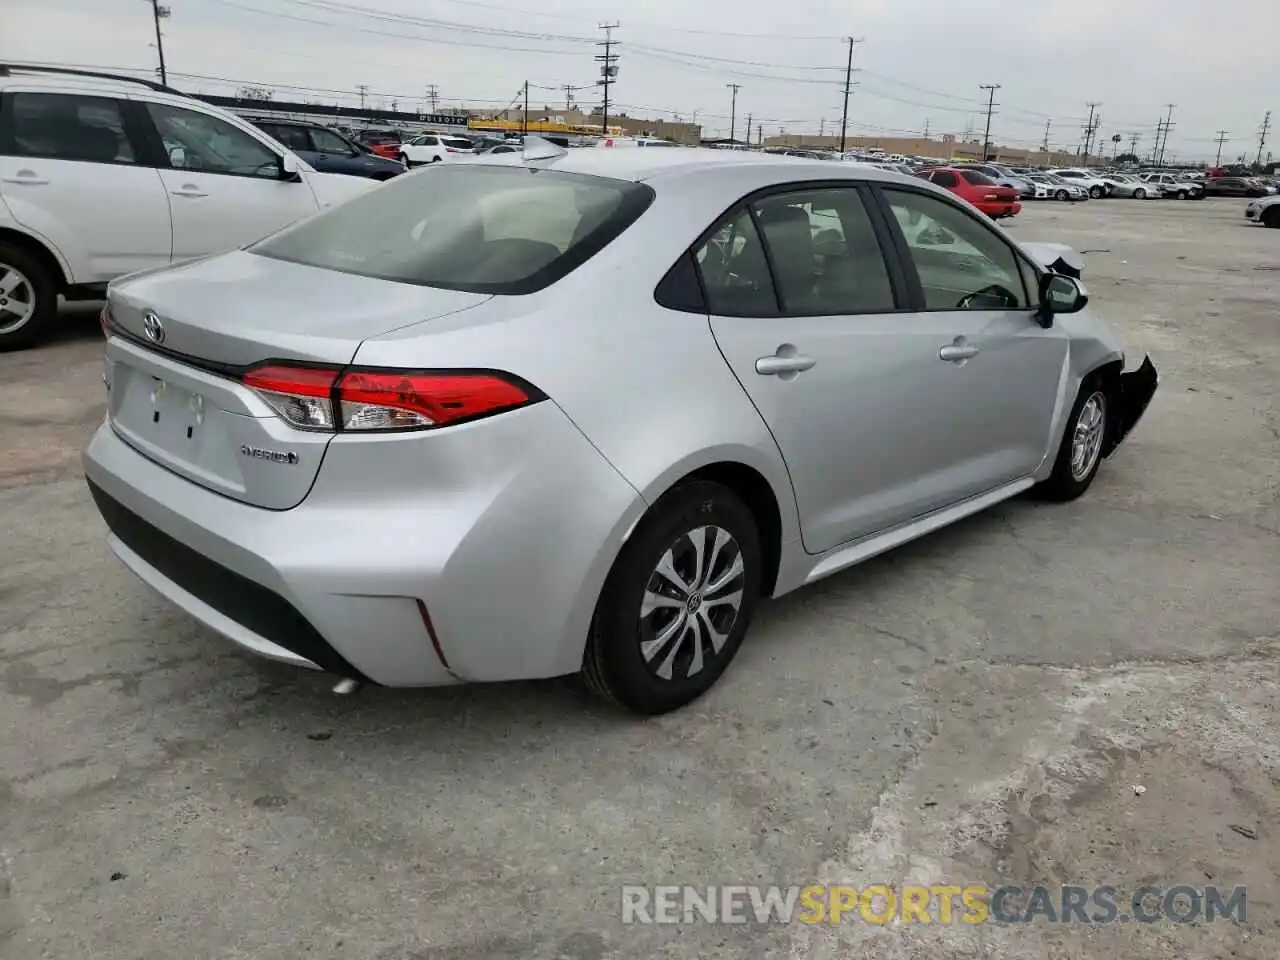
(384, 143)
(979, 189)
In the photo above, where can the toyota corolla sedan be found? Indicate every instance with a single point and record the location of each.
(580, 411)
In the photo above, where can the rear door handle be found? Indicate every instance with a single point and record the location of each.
(772, 366)
(188, 190)
(954, 353)
(26, 177)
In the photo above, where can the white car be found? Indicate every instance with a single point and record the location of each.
(1264, 210)
(1123, 185)
(1093, 184)
(432, 148)
(1173, 185)
(1058, 188)
(102, 176)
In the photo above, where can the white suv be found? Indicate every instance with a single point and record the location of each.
(432, 148)
(102, 176)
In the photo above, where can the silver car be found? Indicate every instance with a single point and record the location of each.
(567, 411)
(1124, 185)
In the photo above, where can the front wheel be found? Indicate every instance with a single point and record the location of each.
(1096, 192)
(1271, 217)
(1062, 195)
(28, 298)
(1182, 194)
(1080, 453)
(677, 602)
(404, 158)
(1139, 194)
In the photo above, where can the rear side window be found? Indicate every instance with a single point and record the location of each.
(66, 127)
(735, 271)
(456, 142)
(945, 179)
(484, 229)
(295, 138)
(978, 179)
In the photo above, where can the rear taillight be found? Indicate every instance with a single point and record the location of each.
(104, 318)
(314, 398)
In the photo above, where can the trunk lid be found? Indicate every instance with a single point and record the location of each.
(180, 403)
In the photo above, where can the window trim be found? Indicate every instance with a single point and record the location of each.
(913, 273)
(164, 154)
(135, 136)
(899, 282)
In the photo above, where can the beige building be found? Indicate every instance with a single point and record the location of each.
(685, 133)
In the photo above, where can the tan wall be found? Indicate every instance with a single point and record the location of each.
(948, 148)
(686, 133)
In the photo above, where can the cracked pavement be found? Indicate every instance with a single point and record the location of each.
(972, 708)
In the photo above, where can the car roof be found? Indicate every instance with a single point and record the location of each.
(646, 165)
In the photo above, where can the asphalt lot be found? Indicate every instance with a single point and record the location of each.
(973, 708)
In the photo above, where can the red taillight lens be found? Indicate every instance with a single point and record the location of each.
(104, 318)
(371, 400)
(301, 395)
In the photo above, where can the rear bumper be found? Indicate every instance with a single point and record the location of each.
(1132, 399)
(475, 554)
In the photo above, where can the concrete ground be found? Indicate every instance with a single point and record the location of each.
(974, 708)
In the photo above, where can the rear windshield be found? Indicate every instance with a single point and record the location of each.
(977, 179)
(471, 227)
(458, 143)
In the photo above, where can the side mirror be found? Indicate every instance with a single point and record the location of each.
(1059, 294)
(289, 169)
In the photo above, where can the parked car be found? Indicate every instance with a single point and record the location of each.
(1171, 185)
(1004, 176)
(1265, 211)
(327, 150)
(371, 480)
(384, 143)
(1235, 187)
(1060, 188)
(1091, 182)
(432, 148)
(1124, 185)
(102, 176)
(995, 201)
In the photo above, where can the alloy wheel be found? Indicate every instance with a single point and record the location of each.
(1086, 441)
(691, 602)
(17, 299)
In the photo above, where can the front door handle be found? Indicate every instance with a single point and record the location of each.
(29, 177)
(772, 366)
(954, 352)
(188, 190)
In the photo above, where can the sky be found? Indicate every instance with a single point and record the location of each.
(917, 62)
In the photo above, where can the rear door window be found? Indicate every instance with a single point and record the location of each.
(735, 272)
(480, 228)
(60, 126)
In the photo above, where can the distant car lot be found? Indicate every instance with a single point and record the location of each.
(975, 705)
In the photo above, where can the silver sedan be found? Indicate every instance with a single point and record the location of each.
(579, 411)
(1124, 185)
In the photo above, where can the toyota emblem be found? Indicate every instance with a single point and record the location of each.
(152, 327)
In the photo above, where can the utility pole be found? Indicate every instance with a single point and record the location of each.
(524, 124)
(1262, 137)
(733, 107)
(159, 13)
(1220, 139)
(1088, 133)
(991, 89)
(1168, 125)
(748, 129)
(433, 96)
(759, 134)
(926, 128)
(1133, 146)
(1155, 149)
(848, 88)
(364, 90)
(608, 71)
(1044, 145)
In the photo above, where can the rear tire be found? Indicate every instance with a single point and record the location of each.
(1270, 217)
(1083, 441)
(665, 626)
(28, 298)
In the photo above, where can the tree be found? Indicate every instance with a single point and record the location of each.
(255, 93)
(1128, 158)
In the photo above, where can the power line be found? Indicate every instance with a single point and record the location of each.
(848, 89)
(608, 71)
(733, 108)
(991, 89)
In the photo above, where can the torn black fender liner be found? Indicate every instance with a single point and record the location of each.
(1133, 396)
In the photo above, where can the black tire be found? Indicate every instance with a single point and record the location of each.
(1062, 195)
(1097, 192)
(1271, 217)
(1063, 484)
(1140, 194)
(1182, 194)
(38, 291)
(614, 665)
(436, 159)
